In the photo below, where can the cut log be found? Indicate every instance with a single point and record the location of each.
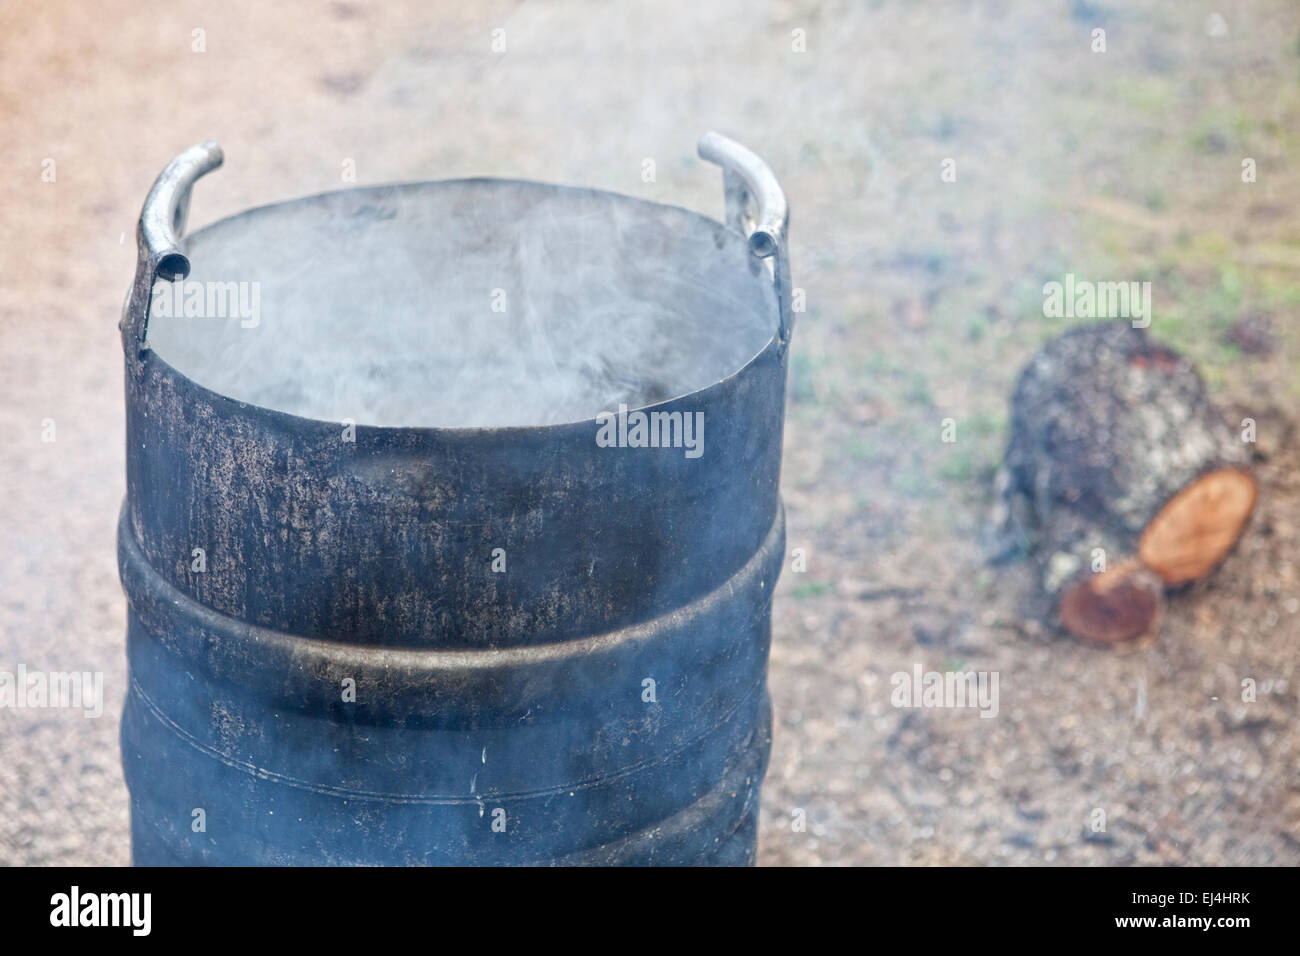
(1120, 479)
(1199, 526)
(1119, 604)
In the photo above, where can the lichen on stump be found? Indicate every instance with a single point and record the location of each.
(1120, 479)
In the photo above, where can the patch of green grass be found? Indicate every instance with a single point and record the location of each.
(1275, 293)
(1150, 94)
(803, 369)
(985, 424)
(812, 589)
(958, 464)
(916, 390)
(1221, 129)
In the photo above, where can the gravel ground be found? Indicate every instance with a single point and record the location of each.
(924, 297)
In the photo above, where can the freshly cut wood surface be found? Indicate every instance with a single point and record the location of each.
(1199, 525)
(1119, 604)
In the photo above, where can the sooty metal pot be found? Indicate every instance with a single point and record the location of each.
(452, 523)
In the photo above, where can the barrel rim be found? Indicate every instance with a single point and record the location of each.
(773, 343)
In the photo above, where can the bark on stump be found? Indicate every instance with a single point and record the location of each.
(1121, 479)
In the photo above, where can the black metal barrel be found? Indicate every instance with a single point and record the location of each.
(366, 627)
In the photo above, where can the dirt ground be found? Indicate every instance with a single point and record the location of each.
(924, 297)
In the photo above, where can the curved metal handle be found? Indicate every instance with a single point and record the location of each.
(747, 178)
(158, 238)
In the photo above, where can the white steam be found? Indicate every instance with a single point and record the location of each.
(470, 304)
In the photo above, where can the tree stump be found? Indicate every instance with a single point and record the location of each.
(1121, 480)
